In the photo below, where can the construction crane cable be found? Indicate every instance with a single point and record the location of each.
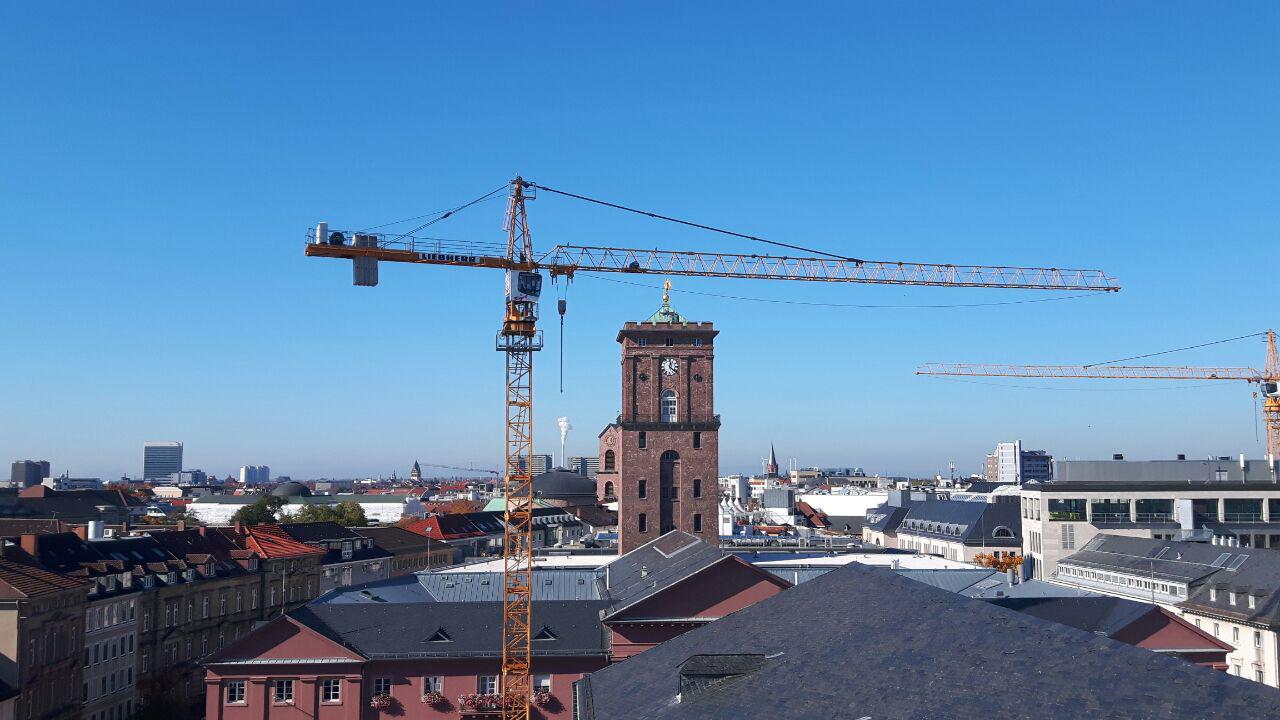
(1067, 389)
(840, 305)
(446, 214)
(1167, 352)
(690, 223)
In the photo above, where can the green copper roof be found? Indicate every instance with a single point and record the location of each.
(666, 314)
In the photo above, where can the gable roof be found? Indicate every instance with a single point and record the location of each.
(272, 542)
(275, 633)
(474, 629)
(933, 655)
(395, 540)
(654, 566)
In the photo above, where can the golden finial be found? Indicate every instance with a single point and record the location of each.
(666, 292)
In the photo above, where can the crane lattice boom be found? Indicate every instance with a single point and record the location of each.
(569, 259)
(1131, 372)
(1268, 381)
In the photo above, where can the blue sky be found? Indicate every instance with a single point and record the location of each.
(160, 165)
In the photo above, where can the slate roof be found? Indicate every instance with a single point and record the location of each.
(655, 566)
(472, 629)
(885, 518)
(319, 534)
(1227, 570)
(967, 522)
(563, 484)
(394, 540)
(863, 642)
(559, 584)
(69, 505)
(1103, 614)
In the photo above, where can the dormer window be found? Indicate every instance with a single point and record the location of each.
(253, 563)
(1213, 594)
(1253, 602)
(1231, 597)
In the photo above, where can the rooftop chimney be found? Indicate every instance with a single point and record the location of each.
(31, 544)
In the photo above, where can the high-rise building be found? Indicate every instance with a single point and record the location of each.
(586, 466)
(255, 474)
(160, 459)
(661, 459)
(25, 473)
(539, 464)
(1011, 464)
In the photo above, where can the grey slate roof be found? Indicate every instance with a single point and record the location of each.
(656, 565)
(862, 642)
(968, 522)
(1238, 571)
(455, 630)
(1103, 614)
(885, 518)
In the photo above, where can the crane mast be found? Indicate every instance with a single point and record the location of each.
(519, 338)
(1268, 380)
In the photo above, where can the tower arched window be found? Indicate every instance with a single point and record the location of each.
(670, 406)
(1002, 532)
(608, 491)
(610, 461)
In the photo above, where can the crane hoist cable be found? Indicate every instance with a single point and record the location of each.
(692, 224)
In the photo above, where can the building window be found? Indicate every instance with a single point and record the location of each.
(382, 686)
(487, 684)
(1235, 635)
(697, 441)
(1213, 594)
(253, 599)
(697, 342)
(642, 342)
(1259, 676)
(432, 684)
(235, 692)
(697, 487)
(610, 461)
(1253, 602)
(1215, 629)
(542, 683)
(608, 490)
(669, 406)
(222, 604)
(1257, 638)
(644, 522)
(204, 607)
(642, 489)
(331, 690)
(642, 439)
(697, 522)
(282, 691)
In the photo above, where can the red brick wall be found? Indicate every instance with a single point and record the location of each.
(643, 383)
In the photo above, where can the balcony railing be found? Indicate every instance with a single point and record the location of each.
(1066, 515)
(1153, 517)
(1242, 517)
(1101, 518)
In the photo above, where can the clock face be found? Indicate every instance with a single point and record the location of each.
(670, 366)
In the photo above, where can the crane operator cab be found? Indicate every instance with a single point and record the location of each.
(524, 287)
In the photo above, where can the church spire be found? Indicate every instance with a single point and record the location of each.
(771, 469)
(416, 472)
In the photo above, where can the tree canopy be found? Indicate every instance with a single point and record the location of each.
(347, 514)
(263, 511)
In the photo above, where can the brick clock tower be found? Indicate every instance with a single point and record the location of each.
(661, 459)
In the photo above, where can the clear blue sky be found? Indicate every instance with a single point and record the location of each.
(160, 164)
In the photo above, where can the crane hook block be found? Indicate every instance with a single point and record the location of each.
(562, 305)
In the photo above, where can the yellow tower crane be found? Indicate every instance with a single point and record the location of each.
(1268, 380)
(519, 338)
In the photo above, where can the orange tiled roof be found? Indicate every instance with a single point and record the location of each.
(271, 542)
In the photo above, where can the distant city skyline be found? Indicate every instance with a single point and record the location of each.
(158, 212)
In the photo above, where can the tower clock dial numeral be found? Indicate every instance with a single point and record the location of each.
(670, 366)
